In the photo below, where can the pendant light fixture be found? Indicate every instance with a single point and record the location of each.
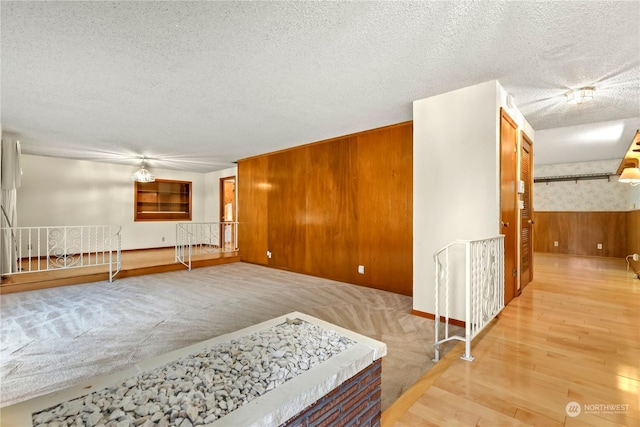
(578, 96)
(630, 176)
(142, 174)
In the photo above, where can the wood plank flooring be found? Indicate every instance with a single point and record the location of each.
(572, 336)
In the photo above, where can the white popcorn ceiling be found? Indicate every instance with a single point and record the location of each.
(198, 85)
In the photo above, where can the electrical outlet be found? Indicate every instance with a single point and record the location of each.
(635, 257)
(555, 243)
(163, 238)
(361, 269)
(599, 245)
(269, 254)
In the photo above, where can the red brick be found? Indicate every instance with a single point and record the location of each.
(351, 388)
(374, 412)
(352, 414)
(328, 421)
(323, 408)
(350, 395)
(362, 394)
(324, 405)
(365, 380)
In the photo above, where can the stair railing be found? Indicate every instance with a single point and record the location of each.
(37, 249)
(195, 238)
(483, 288)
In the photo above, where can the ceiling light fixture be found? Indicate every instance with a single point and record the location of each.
(578, 96)
(630, 176)
(142, 174)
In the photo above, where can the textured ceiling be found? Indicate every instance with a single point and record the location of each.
(198, 85)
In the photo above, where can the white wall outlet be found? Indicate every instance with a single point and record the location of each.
(599, 245)
(361, 269)
(269, 254)
(635, 257)
(555, 243)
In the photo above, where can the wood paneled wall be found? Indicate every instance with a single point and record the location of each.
(633, 237)
(325, 208)
(578, 233)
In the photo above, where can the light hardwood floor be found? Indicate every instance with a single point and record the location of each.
(572, 336)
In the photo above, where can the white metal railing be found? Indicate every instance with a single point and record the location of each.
(196, 238)
(483, 287)
(36, 249)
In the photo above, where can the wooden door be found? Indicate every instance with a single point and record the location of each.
(508, 219)
(526, 213)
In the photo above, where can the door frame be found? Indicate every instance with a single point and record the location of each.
(234, 207)
(510, 279)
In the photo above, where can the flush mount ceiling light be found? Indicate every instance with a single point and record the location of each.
(142, 174)
(578, 96)
(630, 176)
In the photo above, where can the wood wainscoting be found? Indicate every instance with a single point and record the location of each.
(579, 233)
(633, 238)
(325, 208)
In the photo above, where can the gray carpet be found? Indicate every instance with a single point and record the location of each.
(54, 338)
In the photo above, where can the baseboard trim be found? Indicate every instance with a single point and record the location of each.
(454, 322)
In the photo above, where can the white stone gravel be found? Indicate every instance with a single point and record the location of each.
(199, 389)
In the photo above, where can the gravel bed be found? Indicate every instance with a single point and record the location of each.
(203, 387)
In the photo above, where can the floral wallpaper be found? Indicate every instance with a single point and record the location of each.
(586, 195)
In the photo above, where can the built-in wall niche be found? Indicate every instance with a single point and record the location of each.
(162, 200)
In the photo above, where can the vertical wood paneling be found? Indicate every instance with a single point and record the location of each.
(550, 227)
(385, 207)
(286, 211)
(330, 198)
(334, 205)
(252, 186)
(578, 233)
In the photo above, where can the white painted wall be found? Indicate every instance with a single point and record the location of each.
(59, 191)
(456, 179)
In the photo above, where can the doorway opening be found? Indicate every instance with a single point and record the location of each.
(228, 211)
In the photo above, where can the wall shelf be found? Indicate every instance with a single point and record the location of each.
(162, 200)
(576, 178)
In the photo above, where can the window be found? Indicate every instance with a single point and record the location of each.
(162, 200)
